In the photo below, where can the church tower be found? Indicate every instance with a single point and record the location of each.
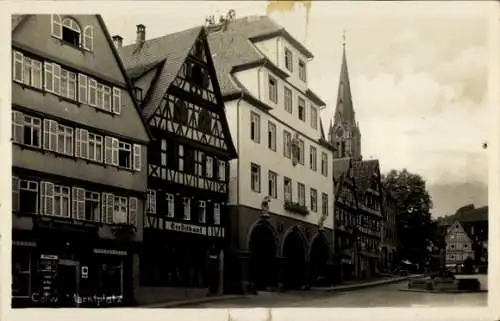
(344, 133)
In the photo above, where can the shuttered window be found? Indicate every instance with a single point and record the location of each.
(46, 198)
(117, 100)
(78, 203)
(133, 211)
(107, 208)
(137, 157)
(151, 202)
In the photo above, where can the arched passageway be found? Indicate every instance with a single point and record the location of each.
(262, 246)
(319, 258)
(294, 261)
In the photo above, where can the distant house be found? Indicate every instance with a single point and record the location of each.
(467, 236)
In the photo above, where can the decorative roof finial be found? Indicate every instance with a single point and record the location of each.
(343, 38)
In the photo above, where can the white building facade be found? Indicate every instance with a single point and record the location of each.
(281, 186)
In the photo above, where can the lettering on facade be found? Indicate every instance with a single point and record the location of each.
(160, 223)
(110, 252)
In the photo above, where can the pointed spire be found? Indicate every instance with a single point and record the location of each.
(344, 110)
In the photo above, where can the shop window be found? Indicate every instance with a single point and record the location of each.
(111, 277)
(21, 273)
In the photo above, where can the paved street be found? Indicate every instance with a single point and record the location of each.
(380, 296)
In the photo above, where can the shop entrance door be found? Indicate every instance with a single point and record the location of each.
(68, 282)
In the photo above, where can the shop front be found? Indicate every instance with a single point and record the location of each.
(70, 267)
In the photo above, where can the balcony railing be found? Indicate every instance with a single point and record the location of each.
(296, 208)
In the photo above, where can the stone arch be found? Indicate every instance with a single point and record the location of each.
(294, 253)
(294, 229)
(264, 224)
(319, 254)
(262, 246)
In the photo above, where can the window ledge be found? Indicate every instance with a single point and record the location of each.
(79, 48)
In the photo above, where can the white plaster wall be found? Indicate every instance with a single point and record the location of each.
(250, 79)
(296, 55)
(232, 119)
(269, 48)
(260, 154)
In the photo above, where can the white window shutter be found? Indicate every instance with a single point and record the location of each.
(84, 143)
(108, 150)
(117, 100)
(88, 38)
(77, 142)
(81, 203)
(17, 126)
(111, 208)
(82, 89)
(74, 202)
(48, 76)
(137, 157)
(56, 26)
(53, 128)
(115, 147)
(104, 207)
(15, 194)
(133, 210)
(57, 78)
(47, 198)
(46, 134)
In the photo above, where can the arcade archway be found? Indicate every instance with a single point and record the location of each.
(262, 246)
(294, 261)
(319, 258)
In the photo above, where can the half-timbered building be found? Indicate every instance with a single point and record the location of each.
(345, 221)
(188, 161)
(79, 148)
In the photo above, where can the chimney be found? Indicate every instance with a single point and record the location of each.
(118, 41)
(141, 34)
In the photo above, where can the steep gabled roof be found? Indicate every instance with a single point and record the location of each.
(17, 20)
(363, 173)
(233, 48)
(171, 50)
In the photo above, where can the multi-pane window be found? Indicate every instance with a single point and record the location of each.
(273, 184)
(151, 202)
(314, 200)
(287, 188)
(124, 155)
(92, 91)
(313, 164)
(186, 201)
(95, 147)
(324, 164)
(222, 171)
(209, 166)
(255, 177)
(271, 136)
(68, 84)
(65, 140)
(26, 129)
(120, 209)
(255, 127)
(202, 211)
(24, 196)
(170, 199)
(216, 213)
(301, 148)
(324, 204)
(180, 154)
(302, 109)
(92, 208)
(273, 89)
(288, 59)
(288, 100)
(82, 88)
(314, 117)
(27, 70)
(302, 71)
(301, 193)
(61, 201)
(287, 141)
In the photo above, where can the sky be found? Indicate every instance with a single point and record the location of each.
(418, 72)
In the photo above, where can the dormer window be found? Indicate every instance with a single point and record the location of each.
(69, 31)
(138, 94)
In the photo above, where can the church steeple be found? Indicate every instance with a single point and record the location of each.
(344, 133)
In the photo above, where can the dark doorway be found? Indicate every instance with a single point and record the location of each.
(319, 258)
(263, 248)
(294, 265)
(67, 286)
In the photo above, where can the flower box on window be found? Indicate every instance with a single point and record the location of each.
(296, 207)
(124, 231)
